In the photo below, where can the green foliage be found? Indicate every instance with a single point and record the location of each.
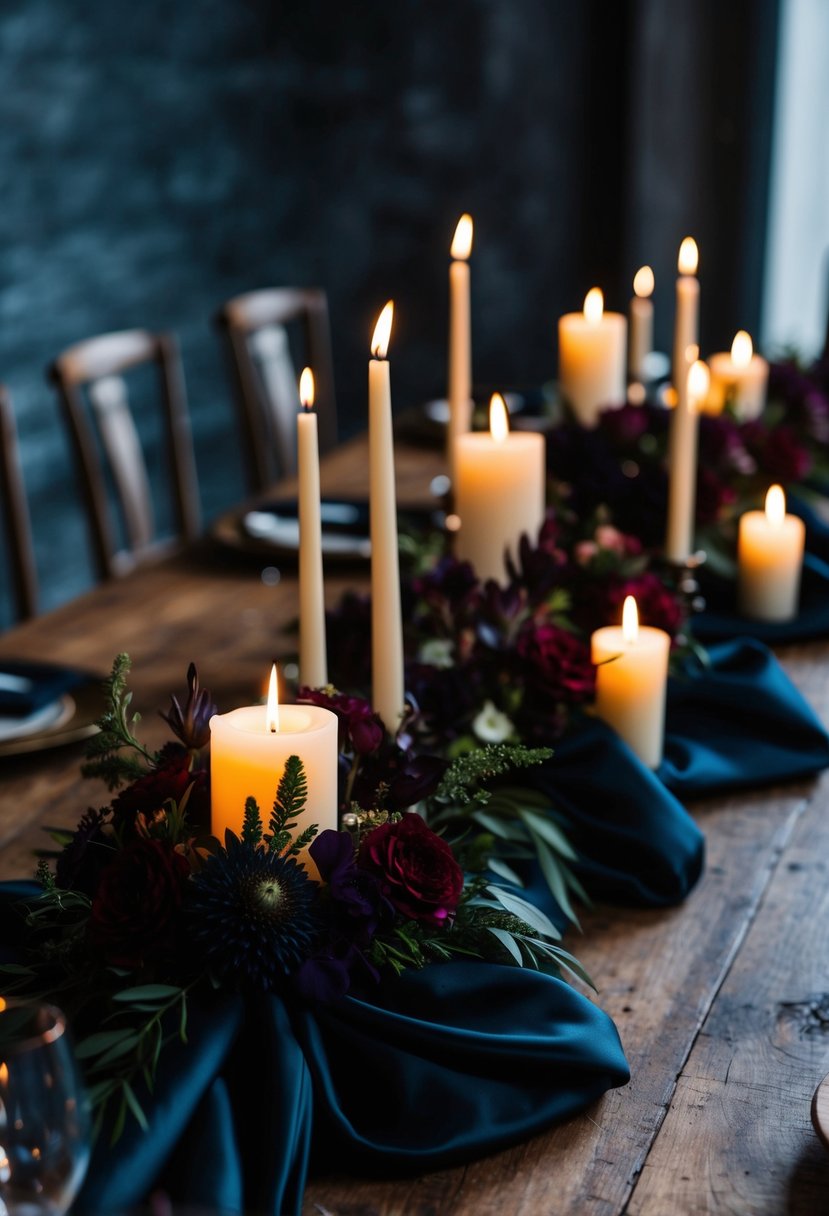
(462, 782)
(291, 796)
(105, 758)
(252, 826)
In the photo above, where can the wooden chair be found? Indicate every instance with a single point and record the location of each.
(16, 521)
(255, 331)
(97, 366)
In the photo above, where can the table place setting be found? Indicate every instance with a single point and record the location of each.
(357, 901)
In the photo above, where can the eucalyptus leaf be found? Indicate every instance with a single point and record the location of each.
(525, 911)
(544, 827)
(147, 992)
(500, 867)
(508, 942)
(551, 869)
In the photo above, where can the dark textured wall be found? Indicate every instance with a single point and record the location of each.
(159, 157)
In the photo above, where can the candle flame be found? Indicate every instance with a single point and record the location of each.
(643, 282)
(688, 256)
(4, 1073)
(699, 382)
(742, 349)
(630, 621)
(306, 388)
(382, 332)
(462, 240)
(498, 421)
(775, 506)
(593, 306)
(272, 714)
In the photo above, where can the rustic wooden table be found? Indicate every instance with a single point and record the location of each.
(722, 1004)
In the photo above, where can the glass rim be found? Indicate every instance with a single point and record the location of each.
(49, 1034)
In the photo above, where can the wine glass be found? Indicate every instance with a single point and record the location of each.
(44, 1115)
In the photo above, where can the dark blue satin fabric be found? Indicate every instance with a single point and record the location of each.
(437, 1067)
(740, 722)
(722, 620)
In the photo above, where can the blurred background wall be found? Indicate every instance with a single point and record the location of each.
(158, 158)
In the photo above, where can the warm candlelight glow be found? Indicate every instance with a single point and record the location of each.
(593, 306)
(643, 282)
(775, 506)
(630, 621)
(498, 421)
(699, 381)
(462, 240)
(382, 332)
(688, 256)
(272, 714)
(306, 388)
(742, 349)
(4, 1071)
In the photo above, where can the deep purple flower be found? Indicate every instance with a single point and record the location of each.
(416, 869)
(192, 723)
(557, 662)
(360, 727)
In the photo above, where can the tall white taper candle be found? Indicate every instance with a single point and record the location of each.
(313, 657)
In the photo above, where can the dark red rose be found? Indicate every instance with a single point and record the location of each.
(417, 871)
(169, 780)
(558, 661)
(139, 895)
(656, 604)
(359, 726)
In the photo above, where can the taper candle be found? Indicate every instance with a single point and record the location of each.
(460, 339)
(770, 560)
(500, 492)
(682, 470)
(631, 679)
(641, 323)
(248, 751)
(686, 323)
(388, 692)
(591, 358)
(313, 659)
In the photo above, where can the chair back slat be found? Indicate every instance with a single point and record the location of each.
(280, 390)
(126, 460)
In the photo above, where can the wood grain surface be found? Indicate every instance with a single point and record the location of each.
(722, 1004)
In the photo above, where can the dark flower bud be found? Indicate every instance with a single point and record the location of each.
(192, 723)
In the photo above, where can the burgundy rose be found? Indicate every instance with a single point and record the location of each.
(417, 871)
(559, 661)
(656, 604)
(170, 779)
(138, 898)
(359, 725)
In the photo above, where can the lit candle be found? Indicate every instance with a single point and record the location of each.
(738, 379)
(686, 324)
(631, 678)
(770, 559)
(500, 492)
(248, 751)
(591, 359)
(460, 339)
(388, 693)
(682, 471)
(641, 323)
(313, 664)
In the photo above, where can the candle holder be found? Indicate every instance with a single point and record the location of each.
(682, 578)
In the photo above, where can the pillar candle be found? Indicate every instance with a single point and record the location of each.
(500, 492)
(739, 379)
(248, 751)
(460, 339)
(388, 693)
(631, 679)
(591, 359)
(641, 323)
(686, 323)
(313, 661)
(770, 559)
(682, 470)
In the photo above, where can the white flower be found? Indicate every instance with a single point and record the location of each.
(491, 726)
(437, 652)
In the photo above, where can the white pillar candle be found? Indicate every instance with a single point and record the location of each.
(631, 679)
(313, 659)
(641, 323)
(500, 492)
(388, 692)
(739, 379)
(686, 323)
(682, 470)
(770, 559)
(248, 751)
(591, 359)
(460, 339)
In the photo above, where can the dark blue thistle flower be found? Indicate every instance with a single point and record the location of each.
(254, 915)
